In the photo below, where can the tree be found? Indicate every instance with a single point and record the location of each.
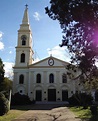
(6, 84)
(82, 99)
(79, 21)
(4, 104)
(1, 71)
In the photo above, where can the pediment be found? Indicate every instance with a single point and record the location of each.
(49, 62)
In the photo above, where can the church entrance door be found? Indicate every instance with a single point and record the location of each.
(38, 95)
(64, 95)
(51, 94)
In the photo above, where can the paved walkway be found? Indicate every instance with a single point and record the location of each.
(44, 112)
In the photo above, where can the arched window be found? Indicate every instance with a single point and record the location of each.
(21, 79)
(22, 58)
(38, 78)
(51, 78)
(64, 78)
(23, 42)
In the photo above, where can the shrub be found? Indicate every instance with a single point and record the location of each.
(4, 104)
(82, 99)
(73, 101)
(96, 96)
(93, 109)
(18, 99)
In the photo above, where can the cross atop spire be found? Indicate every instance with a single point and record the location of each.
(26, 6)
(25, 17)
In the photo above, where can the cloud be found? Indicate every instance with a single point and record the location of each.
(36, 60)
(1, 34)
(1, 45)
(10, 52)
(60, 53)
(36, 16)
(8, 67)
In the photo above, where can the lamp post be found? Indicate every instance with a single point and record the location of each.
(10, 98)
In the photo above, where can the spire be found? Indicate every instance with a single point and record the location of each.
(25, 17)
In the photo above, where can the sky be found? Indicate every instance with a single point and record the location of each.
(47, 34)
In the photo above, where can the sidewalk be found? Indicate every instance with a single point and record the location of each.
(44, 112)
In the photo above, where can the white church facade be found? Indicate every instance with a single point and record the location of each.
(45, 80)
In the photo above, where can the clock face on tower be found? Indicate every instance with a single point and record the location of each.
(51, 62)
(23, 37)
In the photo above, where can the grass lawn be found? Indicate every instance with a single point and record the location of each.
(13, 113)
(84, 114)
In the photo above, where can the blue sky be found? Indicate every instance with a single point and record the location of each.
(47, 34)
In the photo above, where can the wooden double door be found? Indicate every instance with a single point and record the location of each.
(64, 95)
(51, 94)
(38, 95)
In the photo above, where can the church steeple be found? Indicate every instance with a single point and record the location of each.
(25, 21)
(24, 50)
(25, 17)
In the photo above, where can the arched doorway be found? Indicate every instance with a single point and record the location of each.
(51, 93)
(64, 93)
(38, 93)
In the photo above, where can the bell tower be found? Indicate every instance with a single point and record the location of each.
(24, 50)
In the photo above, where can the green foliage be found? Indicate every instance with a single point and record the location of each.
(6, 84)
(18, 99)
(96, 96)
(11, 115)
(81, 113)
(84, 114)
(78, 20)
(6, 94)
(1, 71)
(93, 109)
(4, 104)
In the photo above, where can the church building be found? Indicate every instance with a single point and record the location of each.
(45, 80)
